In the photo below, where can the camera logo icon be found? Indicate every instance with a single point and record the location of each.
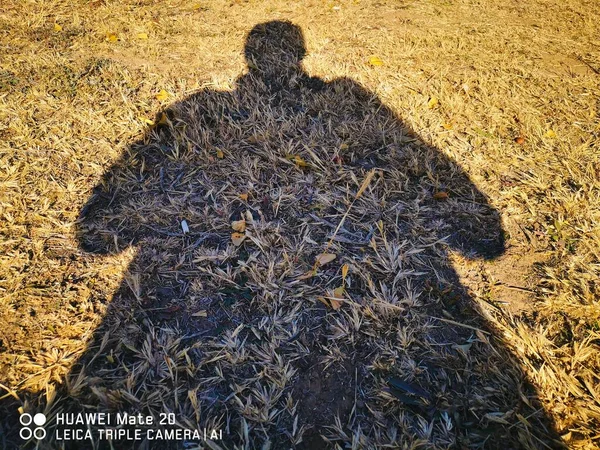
(32, 426)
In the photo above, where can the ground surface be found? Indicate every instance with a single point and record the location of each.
(445, 151)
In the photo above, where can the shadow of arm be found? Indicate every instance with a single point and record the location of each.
(432, 184)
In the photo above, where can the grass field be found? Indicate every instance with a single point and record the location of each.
(354, 224)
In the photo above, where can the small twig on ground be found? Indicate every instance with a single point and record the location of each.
(458, 324)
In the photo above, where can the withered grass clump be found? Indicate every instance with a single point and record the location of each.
(133, 137)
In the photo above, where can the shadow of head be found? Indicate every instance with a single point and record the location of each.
(274, 46)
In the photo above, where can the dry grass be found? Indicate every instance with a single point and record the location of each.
(431, 346)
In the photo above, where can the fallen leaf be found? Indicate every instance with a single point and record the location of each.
(220, 154)
(147, 121)
(497, 417)
(237, 238)
(307, 275)
(244, 196)
(57, 27)
(365, 183)
(375, 61)
(524, 420)
(324, 301)
(482, 337)
(440, 195)
(249, 217)
(373, 243)
(109, 358)
(409, 388)
(520, 140)
(483, 133)
(338, 294)
(142, 36)
(298, 160)
(163, 119)
(433, 102)
(201, 313)
(345, 269)
(325, 258)
(239, 225)
(335, 304)
(447, 125)
(112, 37)
(550, 134)
(255, 139)
(464, 348)
(162, 95)
(406, 399)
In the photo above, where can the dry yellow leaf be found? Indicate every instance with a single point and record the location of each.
(162, 95)
(237, 238)
(57, 27)
(163, 119)
(307, 275)
(112, 37)
(338, 294)
(220, 154)
(244, 196)
(324, 301)
(551, 134)
(447, 125)
(335, 304)
(375, 61)
(345, 269)
(296, 159)
(325, 258)
(239, 225)
(142, 36)
(365, 183)
(433, 102)
(147, 121)
(299, 161)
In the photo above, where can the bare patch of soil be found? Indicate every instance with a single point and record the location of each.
(507, 280)
(324, 394)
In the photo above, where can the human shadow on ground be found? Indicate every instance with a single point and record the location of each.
(241, 332)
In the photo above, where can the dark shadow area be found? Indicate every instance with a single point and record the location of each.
(233, 337)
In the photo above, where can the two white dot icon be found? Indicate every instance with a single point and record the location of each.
(26, 432)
